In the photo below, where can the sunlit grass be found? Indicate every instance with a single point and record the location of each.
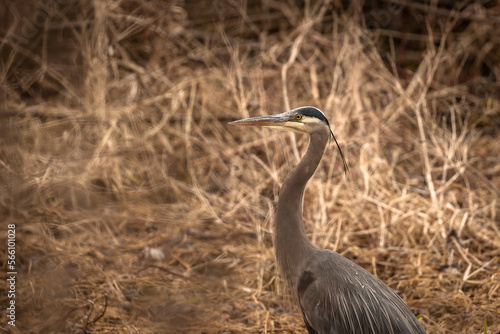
(128, 183)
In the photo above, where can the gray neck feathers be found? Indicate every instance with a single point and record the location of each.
(291, 244)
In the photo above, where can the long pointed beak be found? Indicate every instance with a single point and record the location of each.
(271, 120)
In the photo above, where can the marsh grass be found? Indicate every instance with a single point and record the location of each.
(139, 210)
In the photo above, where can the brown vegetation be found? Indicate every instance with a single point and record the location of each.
(139, 210)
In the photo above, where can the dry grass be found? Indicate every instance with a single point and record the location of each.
(138, 210)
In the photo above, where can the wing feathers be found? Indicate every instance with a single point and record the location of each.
(348, 299)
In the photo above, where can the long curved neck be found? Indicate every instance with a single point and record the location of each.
(291, 244)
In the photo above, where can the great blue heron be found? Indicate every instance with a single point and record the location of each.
(335, 295)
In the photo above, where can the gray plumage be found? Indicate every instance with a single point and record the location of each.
(335, 295)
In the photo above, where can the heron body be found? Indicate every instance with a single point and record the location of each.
(335, 295)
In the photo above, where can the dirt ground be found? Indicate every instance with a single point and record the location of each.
(129, 205)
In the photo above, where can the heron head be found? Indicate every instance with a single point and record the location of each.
(303, 119)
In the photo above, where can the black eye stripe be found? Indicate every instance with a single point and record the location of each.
(313, 112)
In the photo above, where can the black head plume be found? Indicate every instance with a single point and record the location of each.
(315, 112)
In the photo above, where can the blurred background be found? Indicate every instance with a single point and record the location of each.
(139, 210)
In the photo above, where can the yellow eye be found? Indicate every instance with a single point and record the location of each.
(298, 116)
